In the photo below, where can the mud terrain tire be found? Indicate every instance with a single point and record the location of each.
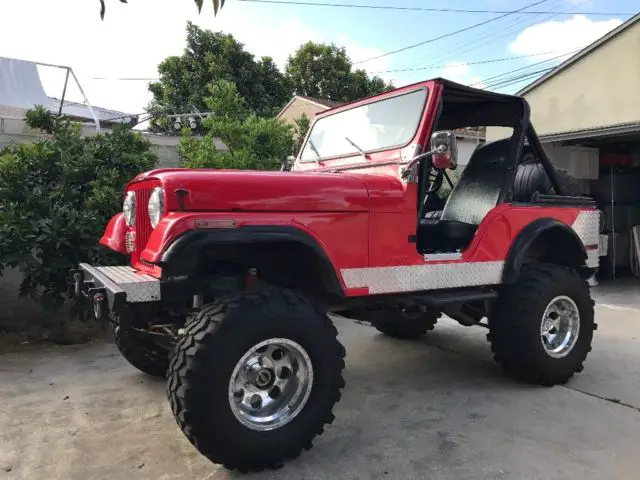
(205, 361)
(517, 323)
(403, 325)
(139, 351)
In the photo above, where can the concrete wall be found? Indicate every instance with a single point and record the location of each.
(14, 129)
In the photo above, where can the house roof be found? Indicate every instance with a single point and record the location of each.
(581, 54)
(319, 101)
(325, 104)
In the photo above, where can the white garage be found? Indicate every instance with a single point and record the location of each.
(587, 114)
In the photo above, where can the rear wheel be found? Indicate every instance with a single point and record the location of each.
(254, 378)
(541, 328)
(403, 323)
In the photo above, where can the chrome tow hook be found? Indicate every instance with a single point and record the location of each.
(98, 305)
(77, 284)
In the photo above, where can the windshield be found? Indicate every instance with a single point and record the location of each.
(387, 123)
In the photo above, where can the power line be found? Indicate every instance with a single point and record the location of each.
(450, 34)
(479, 62)
(477, 41)
(474, 44)
(420, 9)
(135, 79)
(500, 75)
(518, 78)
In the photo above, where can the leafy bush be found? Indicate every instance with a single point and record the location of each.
(301, 129)
(253, 142)
(56, 197)
(454, 176)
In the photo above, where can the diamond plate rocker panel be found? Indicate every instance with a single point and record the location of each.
(139, 287)
(423, 277)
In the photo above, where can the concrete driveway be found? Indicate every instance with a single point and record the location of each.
(436, 409)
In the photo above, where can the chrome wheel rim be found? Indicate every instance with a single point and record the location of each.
(560, 326)
(271, 383)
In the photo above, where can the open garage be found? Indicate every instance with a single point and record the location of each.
(587, 114)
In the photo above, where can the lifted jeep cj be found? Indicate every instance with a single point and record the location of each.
(233, 273)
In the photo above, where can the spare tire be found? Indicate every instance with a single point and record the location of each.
(570, 186)
(531, 178)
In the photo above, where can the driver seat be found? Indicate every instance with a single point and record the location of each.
(475, 195)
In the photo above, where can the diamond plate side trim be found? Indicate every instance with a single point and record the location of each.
(423, 277)
(593, 259)
(587, 227)
(138, 286)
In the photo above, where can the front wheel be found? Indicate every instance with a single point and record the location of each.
(541, 328)
(255, 377)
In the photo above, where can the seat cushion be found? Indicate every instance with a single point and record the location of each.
(446, 235)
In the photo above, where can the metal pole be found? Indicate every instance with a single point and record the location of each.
(95, 119)
(64, 92)
(613, 220)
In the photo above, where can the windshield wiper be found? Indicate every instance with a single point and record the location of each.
(314, 150)
(355, 145)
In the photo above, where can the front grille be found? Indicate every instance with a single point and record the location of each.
(143, 224)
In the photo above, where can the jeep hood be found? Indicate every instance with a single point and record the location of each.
(227, 190)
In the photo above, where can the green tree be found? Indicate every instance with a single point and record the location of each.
(208, 57)
(253, 142)
(56, 196)
(325, 71)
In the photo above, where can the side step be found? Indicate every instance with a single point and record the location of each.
(440, 299)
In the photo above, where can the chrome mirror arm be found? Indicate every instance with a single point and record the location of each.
(406, 171)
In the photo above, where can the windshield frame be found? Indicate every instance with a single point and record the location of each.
(373, 101)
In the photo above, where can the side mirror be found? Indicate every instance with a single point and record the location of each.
(288, 163)
(445, 150)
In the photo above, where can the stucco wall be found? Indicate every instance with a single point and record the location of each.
(466, 146)
(299, 106)
(600, 89)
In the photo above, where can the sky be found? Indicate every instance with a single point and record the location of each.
(135, 37)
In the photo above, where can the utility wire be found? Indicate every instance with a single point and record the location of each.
(127, 78)
(479, 62)
(446, 35)
(506, 31)
(476, 41)
(509, 72)
(518, 78)
(421, 9)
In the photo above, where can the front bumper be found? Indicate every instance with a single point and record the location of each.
(109, 289)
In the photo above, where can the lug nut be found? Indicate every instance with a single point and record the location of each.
(256, 401)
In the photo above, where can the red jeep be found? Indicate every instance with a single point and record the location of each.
(233, 273)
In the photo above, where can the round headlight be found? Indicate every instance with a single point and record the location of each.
(129, 209)
(156, 206)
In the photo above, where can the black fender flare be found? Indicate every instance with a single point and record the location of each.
(184, 248)
(526, 238)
